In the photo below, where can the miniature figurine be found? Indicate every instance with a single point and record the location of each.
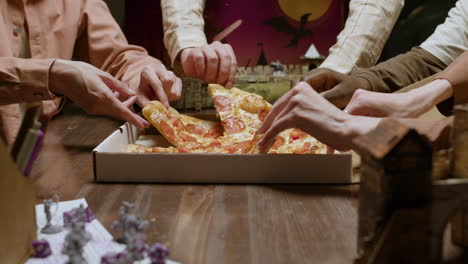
(41, 248)
(115, 258)
(131, 225)
(136, 249)
(49, 228)
(86, 214)
(157, 253)
(77, 238)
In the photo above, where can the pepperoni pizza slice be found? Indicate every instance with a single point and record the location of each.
(181, 130)
(241, 113)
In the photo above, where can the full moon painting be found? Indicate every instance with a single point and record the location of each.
(282, 29)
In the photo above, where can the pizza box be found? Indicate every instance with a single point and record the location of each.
(113, 165)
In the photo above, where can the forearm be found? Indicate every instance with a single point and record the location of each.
(424, 98)
(24, 80)
(183, 25)
(401, 71)
(366, 30)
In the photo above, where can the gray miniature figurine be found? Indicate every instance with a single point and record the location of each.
(131, 226)
(136, 249)
(76, 239)
(49, 228)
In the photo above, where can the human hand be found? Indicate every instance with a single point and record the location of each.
(367, 103)
(213, 63)
(302, 107)
(93, 90)
(334, 86)
(409, 104)
(156, 82)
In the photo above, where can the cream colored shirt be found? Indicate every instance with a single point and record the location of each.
(359, 44)
(450, 39)
(366, 31)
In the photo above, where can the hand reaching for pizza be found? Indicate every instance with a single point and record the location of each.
(93, 90)
(303, 108)
(158, 83)
(410, 104)
(334, 86)
(213, 63)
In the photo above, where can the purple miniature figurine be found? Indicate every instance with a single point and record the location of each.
(85, 213)
(41, 248)
(158, 253)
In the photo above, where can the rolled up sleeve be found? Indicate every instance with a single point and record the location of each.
(366, 31)
(24, 80)
(183, 25)
(102, 43)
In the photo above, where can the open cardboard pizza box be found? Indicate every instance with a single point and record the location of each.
(113, 165)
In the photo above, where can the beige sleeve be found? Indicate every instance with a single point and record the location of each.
(366, 31)
(24, 80)
(183, 25)
(401, 71)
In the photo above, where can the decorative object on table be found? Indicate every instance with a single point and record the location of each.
(402, 211)
(49, 228)
(115, 258)
(130, 225)
(77, 238)
(87, 213)
(136, 248)
(41, 248)
(157, 253)
(17, 216)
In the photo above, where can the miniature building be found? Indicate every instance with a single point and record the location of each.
(395, 191)
(403, 208)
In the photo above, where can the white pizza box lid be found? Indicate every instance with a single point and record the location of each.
(113, 165)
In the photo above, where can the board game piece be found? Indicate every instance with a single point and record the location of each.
(157, 253)
(77, 238)
(49, 228)
(130, 225)
(41, 248)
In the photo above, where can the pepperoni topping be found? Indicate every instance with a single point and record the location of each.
(177, 123)
(194, 129)
(214, 132)
(233, 125)
(186, 137)
(167, 130)
(262, 115)
(297, 134)
(215, 143)
(242, 147)
(183, 150)
(222, 103)
(278, 143)
(304, 149)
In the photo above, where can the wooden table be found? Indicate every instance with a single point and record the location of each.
(208, 223)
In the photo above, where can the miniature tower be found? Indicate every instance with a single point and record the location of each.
(395, 195)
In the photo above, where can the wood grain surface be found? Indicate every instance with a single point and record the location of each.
(208, 223)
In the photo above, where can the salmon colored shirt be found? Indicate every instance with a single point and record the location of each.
(58, 29)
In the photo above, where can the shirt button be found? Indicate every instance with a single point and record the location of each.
(16, 30)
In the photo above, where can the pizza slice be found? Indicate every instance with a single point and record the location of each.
(181, 130)
(295, 141)
(241, 113)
